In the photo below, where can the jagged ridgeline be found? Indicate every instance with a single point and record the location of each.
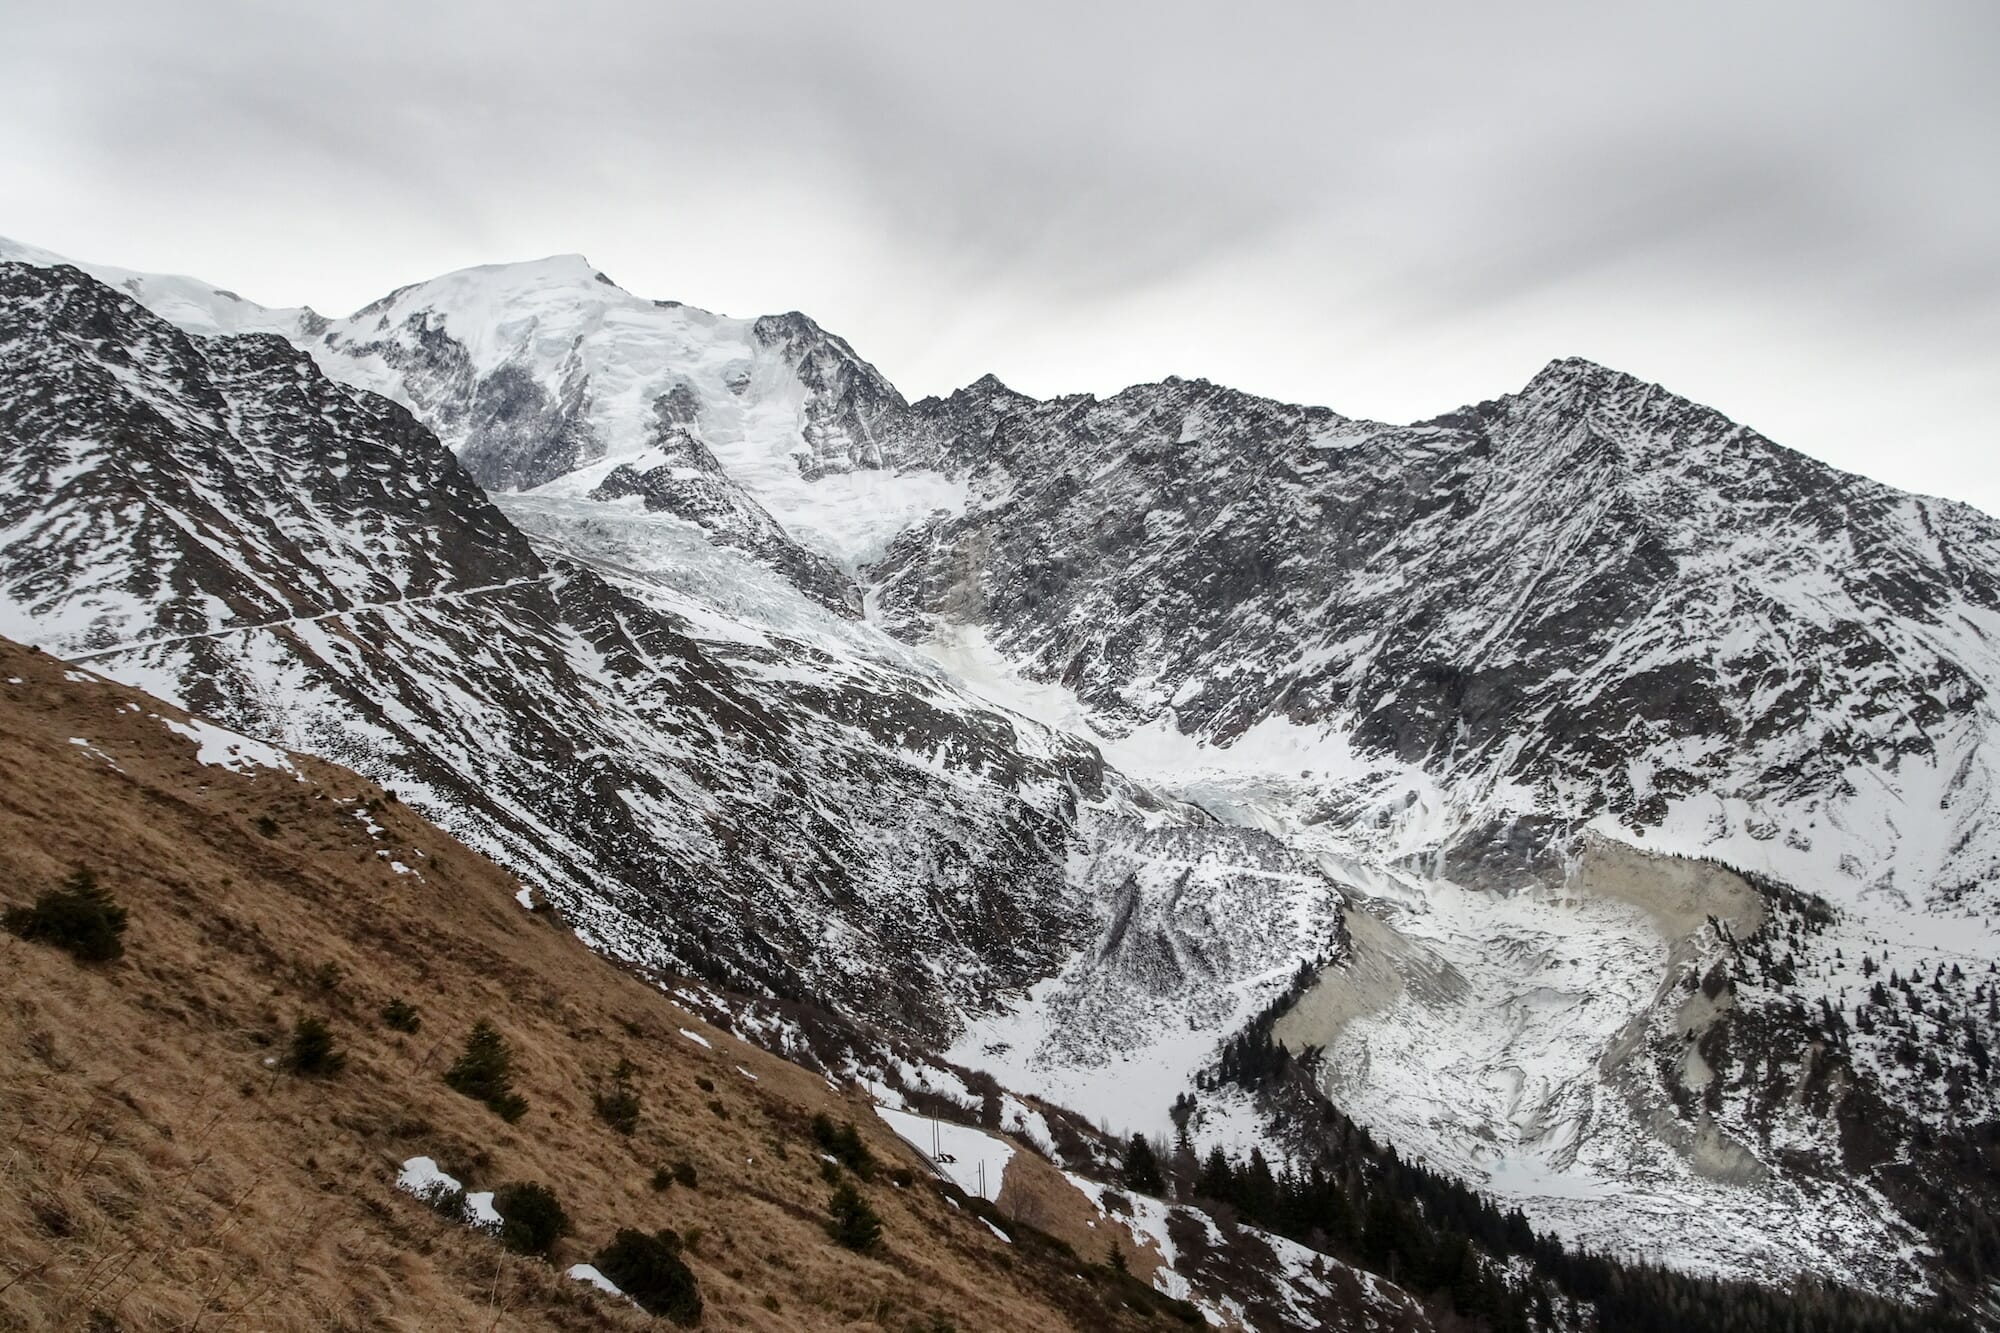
(1578, 791)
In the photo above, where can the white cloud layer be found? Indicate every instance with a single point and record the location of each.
(1787, 210)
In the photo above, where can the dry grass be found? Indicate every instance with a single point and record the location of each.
(1040, 1196)
(160, 1170)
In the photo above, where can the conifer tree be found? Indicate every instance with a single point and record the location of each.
(80, 917)
(484, 1072)
(1142, 1168)
(1217, 1181)
(312, 1049)
(850, 1221)
(532, 1220)
(650, 1270)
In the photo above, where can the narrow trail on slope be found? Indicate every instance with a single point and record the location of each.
(457, 595)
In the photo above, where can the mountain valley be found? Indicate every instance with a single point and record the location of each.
(1576, 791)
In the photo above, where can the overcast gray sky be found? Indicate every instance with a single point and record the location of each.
(1790, 211)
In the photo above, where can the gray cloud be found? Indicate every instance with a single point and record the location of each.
(1787, 209)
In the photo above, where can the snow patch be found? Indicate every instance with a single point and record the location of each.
(971, 1159)
(588, 1273)
(422, 1177)
(218, 747)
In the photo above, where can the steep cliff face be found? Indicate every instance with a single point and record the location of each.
(1476, 653)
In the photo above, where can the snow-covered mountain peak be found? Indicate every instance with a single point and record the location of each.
(989, 383)
(1580, 409)
(191, 304)
(1573, 375)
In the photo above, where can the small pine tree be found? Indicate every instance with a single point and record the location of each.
(1142, 1168)
(649, 1270)
(1115, 1260)
(617, 1103)
(850, 1221)
(312, 1050)
(80, 917)
(532, 1220)
(843, 1143)
(401, 1017)
(1218, 1179)
(484, 1072)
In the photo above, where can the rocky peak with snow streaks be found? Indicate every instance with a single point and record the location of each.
(1611, 599)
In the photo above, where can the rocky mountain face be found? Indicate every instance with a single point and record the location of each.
(302, 559)
(1603, 597)
(708, 770)
(1486, 653)
(1598, 758)
(689, 483)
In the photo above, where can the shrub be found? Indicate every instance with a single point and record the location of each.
(401, 1017)
(684, 1173)
(843, 1143)
(618, 1104)
(267, 826)
(850, 1221)
(484, 1072)
(312, 1049)
(448, 1201)
(531, 1218)
(663, 1180)
(649, 1270)
(80, 917)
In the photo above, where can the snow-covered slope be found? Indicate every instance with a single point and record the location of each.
(769, 433)
(189, 304)
(1443, 659)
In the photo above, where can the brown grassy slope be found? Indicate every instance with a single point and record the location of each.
(158, 1172)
